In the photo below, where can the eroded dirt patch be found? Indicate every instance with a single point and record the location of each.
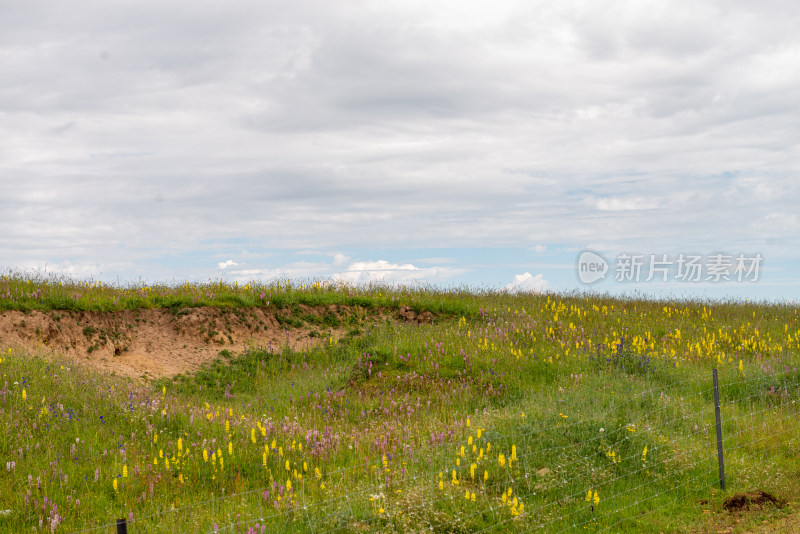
(163, 342)
(752, 500)
(410, 316)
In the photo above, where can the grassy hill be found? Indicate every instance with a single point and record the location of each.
(498, 413)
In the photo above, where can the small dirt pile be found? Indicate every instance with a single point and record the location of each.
(746, 501)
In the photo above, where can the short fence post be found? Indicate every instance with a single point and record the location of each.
(719, 432)
(122, 526)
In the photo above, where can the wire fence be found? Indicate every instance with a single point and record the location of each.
(645, 457)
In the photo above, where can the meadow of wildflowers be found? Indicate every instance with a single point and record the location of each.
(506, 413)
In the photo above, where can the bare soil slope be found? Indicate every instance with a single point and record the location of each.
(149, 343)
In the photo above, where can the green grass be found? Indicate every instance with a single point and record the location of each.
(28, 292)
(575, 387)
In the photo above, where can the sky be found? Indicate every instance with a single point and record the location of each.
(457, 144)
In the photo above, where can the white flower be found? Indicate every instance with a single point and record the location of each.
(602, 430)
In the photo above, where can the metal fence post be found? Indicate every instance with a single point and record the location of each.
(719, 432)
(122, 526)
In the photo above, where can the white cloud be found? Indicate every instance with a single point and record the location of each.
(340, 259)
(539, 249)
(527, 283)
(226, 264)
(383, 272)
(626, 204)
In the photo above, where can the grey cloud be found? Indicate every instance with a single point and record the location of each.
(140, 129)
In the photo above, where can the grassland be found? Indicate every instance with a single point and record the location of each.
(507, 413)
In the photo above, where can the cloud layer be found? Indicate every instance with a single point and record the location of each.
(142, 131)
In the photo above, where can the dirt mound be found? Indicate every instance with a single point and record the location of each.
(410, 316)
(757, 499)
(150, 343)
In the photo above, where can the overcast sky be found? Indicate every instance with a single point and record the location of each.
(484, 143)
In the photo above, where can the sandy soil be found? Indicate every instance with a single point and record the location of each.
(151, 343)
